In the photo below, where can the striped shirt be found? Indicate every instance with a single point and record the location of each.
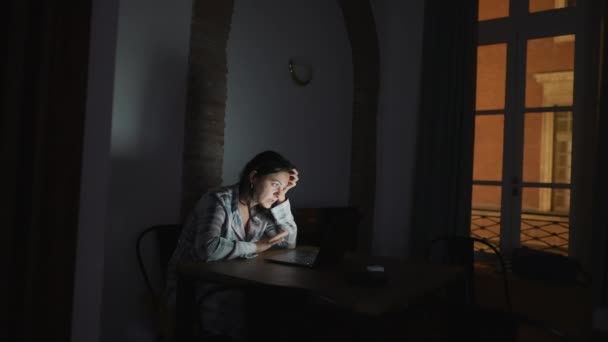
(215, 231)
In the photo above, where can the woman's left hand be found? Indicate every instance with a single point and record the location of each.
(293, 180)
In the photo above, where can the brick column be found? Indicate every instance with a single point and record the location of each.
(361, 28)
(206, 102)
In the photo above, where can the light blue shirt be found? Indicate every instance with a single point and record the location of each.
(215, 231)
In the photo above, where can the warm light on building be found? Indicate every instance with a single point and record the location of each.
(534, 87)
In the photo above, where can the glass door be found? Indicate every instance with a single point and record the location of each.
(523, 124)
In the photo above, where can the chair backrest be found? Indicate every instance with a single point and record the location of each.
(165, 236)
(545, 266)
(459, 251)
(344, 221)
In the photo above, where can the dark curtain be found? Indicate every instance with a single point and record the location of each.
(444, 151)
(600, 214)
(43, 106)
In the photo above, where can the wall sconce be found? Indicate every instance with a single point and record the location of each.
(301, 72)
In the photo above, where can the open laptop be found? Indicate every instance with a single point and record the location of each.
(296, 257)
(336, 229)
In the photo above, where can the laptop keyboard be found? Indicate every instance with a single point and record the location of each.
(304, 258)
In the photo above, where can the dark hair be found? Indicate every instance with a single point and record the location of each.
(264, 163)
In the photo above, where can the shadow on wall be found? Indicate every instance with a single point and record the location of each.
(145, 186)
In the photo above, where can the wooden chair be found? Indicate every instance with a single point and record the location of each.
(165, 237)
(459, 251)
(545, 266)
(311, 221)
(162, 239)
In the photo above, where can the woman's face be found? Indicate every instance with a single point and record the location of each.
(269, 187)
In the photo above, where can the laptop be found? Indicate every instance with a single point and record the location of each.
(335, 228)
(297, 257)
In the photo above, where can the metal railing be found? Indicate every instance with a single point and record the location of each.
(547, 232)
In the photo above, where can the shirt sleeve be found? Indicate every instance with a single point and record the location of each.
(283, 221)
(209, 245)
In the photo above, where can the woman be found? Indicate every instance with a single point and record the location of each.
(237, 221)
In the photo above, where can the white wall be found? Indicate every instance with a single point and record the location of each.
(146, 150)
(132, 168)
(265, 109)
(399, 26)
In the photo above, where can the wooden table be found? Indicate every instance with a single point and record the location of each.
(405, 282)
